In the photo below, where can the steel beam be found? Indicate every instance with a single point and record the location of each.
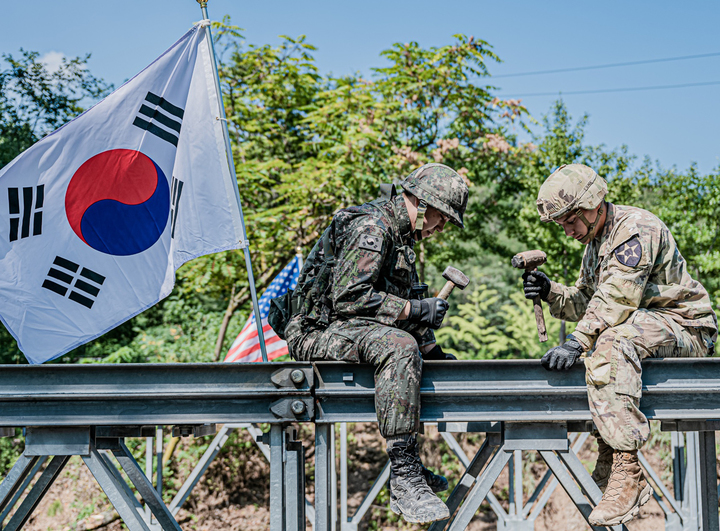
(518, 390)
(323, 477)
(121, 394)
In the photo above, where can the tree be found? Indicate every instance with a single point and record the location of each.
(35, 100)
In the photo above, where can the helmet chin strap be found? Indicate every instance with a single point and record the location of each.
(591, 227)
(420, 219)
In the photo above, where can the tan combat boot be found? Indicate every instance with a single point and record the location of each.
(626, 491)
(604, 464)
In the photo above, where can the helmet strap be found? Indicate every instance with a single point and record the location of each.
(420, 218)
(591, 227)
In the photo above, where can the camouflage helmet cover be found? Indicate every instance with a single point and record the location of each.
(440, 187)
(571, 187)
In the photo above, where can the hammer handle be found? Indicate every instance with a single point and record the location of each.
(447, 290)
(540, 319)
(444, 294)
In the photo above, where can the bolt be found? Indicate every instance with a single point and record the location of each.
(297, 376)
(298, 407)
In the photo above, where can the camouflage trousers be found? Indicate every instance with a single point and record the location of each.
(614, 375)
(393, 352)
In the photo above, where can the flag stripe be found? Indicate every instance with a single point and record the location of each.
(92, 275)
(246, 347)
(57, 288)
(162, 102)
(60, 275)
(155, 130)
(14, 201)
(37, 224)
(81, 299)
(67, 264)
(27, 210)
(87, 288)
(14, 227)
(177, 189)
(40, 198)
(272, 344)
(156, 115)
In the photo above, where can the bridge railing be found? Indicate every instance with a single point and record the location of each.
(87, 410)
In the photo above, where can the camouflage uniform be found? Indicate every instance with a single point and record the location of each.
(634, 299)
(373, 276)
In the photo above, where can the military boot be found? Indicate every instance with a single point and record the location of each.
(604, 464)
(626, 491)
(410, 494)
(436, 482)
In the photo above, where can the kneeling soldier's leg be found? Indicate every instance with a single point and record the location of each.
(614, 378)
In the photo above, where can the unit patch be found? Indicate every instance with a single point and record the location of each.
(630, 252)
(371, 243)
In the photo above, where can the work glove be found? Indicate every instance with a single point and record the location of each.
(536, 284)
(428, 312)
(436, 353)
(564, 356)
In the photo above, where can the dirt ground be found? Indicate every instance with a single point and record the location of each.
(234, 493)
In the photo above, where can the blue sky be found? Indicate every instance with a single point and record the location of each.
(675, 126)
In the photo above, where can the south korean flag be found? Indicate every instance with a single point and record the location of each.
(100, 213)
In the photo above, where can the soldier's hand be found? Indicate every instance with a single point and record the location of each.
(428, 312)
(436, 353)
(564, 356)
(536, 284)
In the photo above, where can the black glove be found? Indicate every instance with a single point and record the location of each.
(564, 356)
(436, 353)
(536, 283)
(428, 312)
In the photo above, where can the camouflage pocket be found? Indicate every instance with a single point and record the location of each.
(628, 378)
(341, 347)
(598, 369)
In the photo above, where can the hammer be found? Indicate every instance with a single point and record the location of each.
(530, 261)
(455, 278)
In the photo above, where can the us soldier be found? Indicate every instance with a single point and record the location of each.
(359, 300)
(634, 299)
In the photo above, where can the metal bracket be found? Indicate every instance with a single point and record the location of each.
(297, 377)
(196, 430)
(292, 409)
(57, 441)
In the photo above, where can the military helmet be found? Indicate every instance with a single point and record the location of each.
(569, 188)
(440, 187)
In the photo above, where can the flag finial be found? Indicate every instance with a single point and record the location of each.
(203, 3)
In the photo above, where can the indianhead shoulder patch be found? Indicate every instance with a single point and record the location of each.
(630, 252)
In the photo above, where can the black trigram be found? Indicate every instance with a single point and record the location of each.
(149, 118)
(175, 193)
(26, 217)
(63, 277)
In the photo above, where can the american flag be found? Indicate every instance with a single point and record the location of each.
(246, 346)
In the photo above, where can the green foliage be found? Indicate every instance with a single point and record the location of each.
(306, 144)
(35, 100)
(485, 328)
(10, 449)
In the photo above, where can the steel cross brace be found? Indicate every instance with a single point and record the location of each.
(550, 439)
(62, 443)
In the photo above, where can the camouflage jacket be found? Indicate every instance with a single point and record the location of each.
(633, 263)
(374, 267)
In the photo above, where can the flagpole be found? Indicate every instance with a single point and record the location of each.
(228, 149)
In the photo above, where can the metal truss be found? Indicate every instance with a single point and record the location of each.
(88, 410)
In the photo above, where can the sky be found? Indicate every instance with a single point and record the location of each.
(675, 126)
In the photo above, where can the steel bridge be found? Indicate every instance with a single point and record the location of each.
(88, 410)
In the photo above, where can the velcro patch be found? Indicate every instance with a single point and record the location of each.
(371, 243)
(629, 253)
